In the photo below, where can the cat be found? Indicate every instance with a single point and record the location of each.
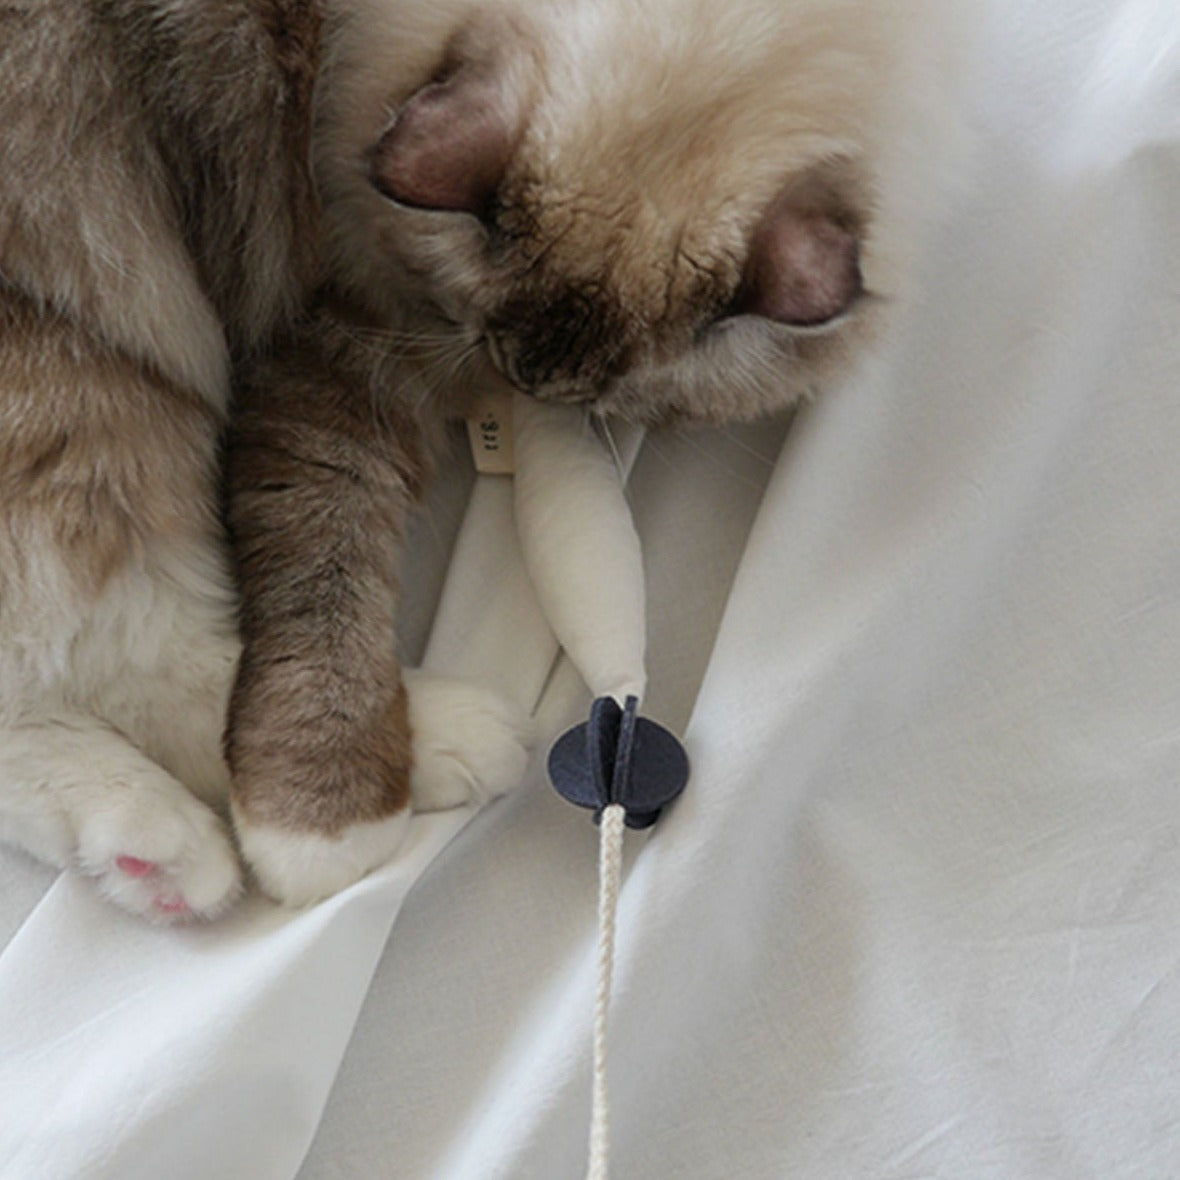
(159, 229)
(152, 228)
(674, 211)
(679, 212)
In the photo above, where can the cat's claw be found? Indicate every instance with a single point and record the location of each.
(471, 743)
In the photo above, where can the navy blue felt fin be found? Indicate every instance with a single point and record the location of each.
(619, 757)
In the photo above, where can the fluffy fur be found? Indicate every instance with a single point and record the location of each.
(675, 210)
(151, 228)
(635, 154)
(157, 231)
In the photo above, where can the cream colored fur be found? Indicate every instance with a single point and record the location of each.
(668, 125)
(111, 711)
(470, 746)
(654, 137)
(117, 617)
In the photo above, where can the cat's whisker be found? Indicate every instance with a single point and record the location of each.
(731, 472)
(393, 336)
(735, 438)
(410, 347)
(452, 372)
(411, 344)
(652, 443)
(731, 469)
(441, 368)
(608, 436)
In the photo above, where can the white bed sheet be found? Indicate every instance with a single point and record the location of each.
(918, 913)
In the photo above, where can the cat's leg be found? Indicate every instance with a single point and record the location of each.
(468, 744)
(325, 743)
(76, 793)
(173, 706)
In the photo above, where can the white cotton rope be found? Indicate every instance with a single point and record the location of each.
(583, 557)
(610, 864)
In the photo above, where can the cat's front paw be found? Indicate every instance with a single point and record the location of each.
(163, 855)
(297, 868)
(471, 744)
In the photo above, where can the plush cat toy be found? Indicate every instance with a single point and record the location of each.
(583, 557)
(579, 544)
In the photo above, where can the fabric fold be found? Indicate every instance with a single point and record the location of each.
(129, 1050)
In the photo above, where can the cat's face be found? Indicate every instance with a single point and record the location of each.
(606, 204)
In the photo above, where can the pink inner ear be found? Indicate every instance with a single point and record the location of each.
(449, 146)
(804, 268)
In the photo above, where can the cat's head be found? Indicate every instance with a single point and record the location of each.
(665, 210)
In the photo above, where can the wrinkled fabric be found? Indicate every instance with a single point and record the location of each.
(916, 914)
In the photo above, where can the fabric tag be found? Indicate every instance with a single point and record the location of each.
(489, 430)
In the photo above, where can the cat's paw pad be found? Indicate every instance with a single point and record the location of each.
(298, 868)
(162, 855)
(470, 742)
(166, 901)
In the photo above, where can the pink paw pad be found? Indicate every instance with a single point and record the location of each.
(134, 867)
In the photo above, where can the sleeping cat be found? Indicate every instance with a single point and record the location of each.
(669, 210)
(158, 229)
(675, 210)
(152, 226)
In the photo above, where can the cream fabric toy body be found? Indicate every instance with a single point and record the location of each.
(580, 546)
(583, 558)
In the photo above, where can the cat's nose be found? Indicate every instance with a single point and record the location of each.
(517, 364)
(572, 341)
(503, 356)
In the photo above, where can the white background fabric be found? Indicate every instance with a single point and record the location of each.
(918, 913)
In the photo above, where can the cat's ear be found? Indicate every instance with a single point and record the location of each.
(451, 143)
(804, 265)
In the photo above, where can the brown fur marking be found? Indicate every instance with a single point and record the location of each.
(322, 469)
(97, 454)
